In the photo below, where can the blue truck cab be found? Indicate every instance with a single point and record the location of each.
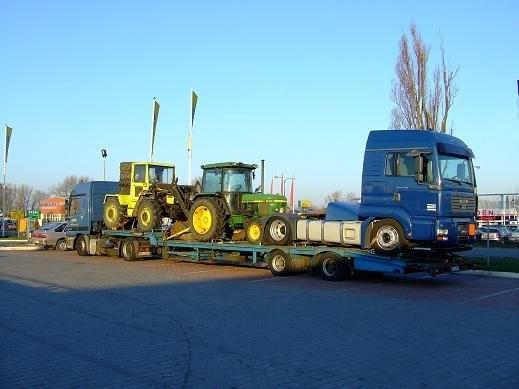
(85, 209)
(419, 185)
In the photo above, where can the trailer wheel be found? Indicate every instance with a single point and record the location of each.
(278, 231)
(128, 250)
(61, 245)
(81, 246)
(149, 214)
(112, 213)
(254, 231)
(387, 237)
(280, 262)
(333, 267)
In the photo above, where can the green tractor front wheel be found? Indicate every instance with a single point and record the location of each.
(207, 219)
(254, 231)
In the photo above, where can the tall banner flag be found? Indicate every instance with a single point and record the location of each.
(154, 120)
(194, 99)
(8, 132)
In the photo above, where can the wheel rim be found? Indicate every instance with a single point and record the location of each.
(145, 216)
(278, 263)
(82, 245)
(254, 232)
(127, 250)
(111, 213)
(387, 237)
(329, 267)
(278, 230)
(202, 219)
(61, 245)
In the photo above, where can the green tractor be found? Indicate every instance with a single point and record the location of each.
(226, 203)
(148, 191)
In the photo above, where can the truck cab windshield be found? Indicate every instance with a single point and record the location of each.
(456, 169)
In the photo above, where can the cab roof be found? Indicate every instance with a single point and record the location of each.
(224, 165)
(163, 164)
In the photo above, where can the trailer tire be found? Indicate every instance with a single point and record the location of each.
(128, 250)
(81, 246)
(279, 262)
(387, 237)
(254, 231)
(278, 231)
(112, 213)
(333, 267)
(61, 245)
(149, 214)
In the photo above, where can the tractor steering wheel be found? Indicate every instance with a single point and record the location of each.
(236, 188)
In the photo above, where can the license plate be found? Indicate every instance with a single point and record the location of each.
(455, 268)
(144, 254)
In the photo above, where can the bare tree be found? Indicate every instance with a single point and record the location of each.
(421, 103)
(64, 188)
(37, 197)
(338, 195)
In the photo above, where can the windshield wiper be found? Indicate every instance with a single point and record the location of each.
(457, 181)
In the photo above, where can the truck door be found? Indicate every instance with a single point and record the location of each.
(411, 193)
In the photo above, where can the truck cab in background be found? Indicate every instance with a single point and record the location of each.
(85, 210)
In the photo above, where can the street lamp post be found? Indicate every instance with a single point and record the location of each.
(104, 154)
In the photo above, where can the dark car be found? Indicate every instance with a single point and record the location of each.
(492, 233)
(51, 235)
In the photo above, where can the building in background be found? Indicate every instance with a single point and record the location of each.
(52, 210)
(498, 209)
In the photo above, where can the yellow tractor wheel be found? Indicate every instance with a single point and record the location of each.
(206, 219)
(149, 214)
(112, 213)
(254, 231)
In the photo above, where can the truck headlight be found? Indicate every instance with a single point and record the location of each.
(442, 234)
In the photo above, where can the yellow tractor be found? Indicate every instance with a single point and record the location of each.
(148, 191)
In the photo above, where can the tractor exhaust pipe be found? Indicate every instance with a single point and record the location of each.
(262, 176)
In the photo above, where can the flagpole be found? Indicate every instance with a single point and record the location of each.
(151, 130)
(3, 192)
(189, 138)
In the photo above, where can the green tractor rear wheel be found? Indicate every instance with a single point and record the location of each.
(149, 214)
(207, 219)
(112, 213)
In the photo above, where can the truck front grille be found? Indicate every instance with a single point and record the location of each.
(463, 204)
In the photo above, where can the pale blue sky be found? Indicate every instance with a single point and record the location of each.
(297, 83)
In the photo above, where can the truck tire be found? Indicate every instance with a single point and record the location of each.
(280, 263)
(207, 219)
(61, 245)
(254, 231)
(128, 250)
(149, 214)
(112, 213)
(387, 237)
(333, 267)
(278, 231)
(81, 246)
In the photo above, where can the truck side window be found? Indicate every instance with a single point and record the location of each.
(405, 165)
(74, 207)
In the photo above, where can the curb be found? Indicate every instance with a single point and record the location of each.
(485, 273)
(21, 248)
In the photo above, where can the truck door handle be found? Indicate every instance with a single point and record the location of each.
(396, 196)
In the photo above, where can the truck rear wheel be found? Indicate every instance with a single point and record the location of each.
(279, 262)
(278, 231)
(387, 237)
(206, 219)
(149, 214)
(128, 250)
(112, 213)
(254, 231)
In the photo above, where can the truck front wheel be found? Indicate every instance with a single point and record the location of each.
(81, 246)
(128, 250)
(387, 237)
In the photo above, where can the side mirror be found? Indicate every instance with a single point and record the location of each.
(418, 164)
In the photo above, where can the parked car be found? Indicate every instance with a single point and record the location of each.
(51, 235)
(491, 233)
(514, 233)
